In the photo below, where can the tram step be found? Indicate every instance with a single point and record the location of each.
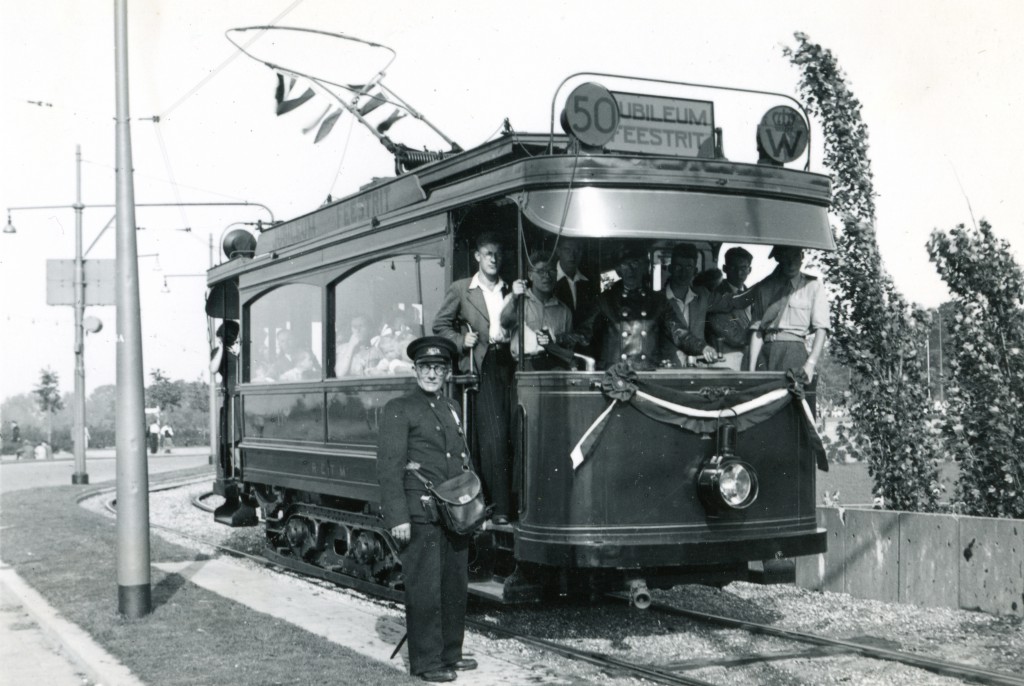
(235, 513)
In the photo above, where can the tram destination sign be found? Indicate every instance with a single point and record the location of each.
(664, 126)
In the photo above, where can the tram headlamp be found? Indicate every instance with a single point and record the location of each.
(725, 482)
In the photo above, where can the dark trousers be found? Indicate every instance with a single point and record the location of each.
(490, 421)
(781, 356)
(436, 569)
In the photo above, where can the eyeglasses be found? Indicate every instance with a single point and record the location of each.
(543, 271)
(439, 369)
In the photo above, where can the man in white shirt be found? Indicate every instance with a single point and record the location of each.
(470, 317)
(689, 305)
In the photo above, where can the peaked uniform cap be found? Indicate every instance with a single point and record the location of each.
(432, 348)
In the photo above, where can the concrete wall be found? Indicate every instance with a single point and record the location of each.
(974, 563)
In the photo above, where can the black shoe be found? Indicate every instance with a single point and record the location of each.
(499, 520)
(463, 665)
(444, 674)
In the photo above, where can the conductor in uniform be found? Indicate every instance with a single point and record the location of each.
(422, 430)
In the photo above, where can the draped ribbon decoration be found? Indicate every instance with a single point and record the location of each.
(702, 411)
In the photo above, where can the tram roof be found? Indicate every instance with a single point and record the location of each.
(599, 195)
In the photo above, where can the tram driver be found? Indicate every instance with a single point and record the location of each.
(628, 319)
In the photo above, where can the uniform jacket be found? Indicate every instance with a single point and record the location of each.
(462, 308)
(627, 327)
(422, 428)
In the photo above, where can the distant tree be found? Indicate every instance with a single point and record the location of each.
(875, 333)
(102, 417)
(985, 419)
(163, 393)
(197, 395)
(48, 397)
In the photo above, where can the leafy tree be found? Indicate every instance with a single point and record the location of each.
(875, 333)
(163, 393)
(49, 398)
(985, 421)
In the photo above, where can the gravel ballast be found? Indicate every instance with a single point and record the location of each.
(651, 638)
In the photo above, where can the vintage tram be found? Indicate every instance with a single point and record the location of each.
(624, 481)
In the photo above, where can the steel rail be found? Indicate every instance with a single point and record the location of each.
(935, 665)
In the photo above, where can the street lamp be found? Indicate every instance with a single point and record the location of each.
(80, 476)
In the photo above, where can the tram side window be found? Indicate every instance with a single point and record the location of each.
(380, 309)
(285, 335)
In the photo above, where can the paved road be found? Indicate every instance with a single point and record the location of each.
(100, 465)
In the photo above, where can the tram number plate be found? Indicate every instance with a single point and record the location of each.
(591, 114)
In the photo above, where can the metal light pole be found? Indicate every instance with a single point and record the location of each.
(134, 593)
(80, 476)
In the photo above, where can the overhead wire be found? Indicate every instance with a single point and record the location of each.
(238, 52)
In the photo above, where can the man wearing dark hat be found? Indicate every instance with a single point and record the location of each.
(626, 323)
(422, 430)
(788, 307)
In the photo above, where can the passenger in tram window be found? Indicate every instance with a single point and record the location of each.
(689, 306)
(470, 317)
(572, 286)
(733, 328)
(357, 356)
(294, 362)
(395, 337)
(788, 307)
(628, 319)
(261, 366)
(546, 319)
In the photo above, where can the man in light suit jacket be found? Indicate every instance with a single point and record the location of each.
(470, 317)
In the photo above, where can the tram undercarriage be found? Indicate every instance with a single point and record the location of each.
(341, 539)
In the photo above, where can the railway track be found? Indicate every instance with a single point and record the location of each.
(833, 646)
(673, 673)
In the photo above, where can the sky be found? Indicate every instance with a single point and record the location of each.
(938, 81)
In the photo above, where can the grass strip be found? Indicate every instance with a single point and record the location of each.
(192, 636)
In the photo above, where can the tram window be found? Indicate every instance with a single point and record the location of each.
(379, 309)
(292, 416)
(285, 335)
(353, 416)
